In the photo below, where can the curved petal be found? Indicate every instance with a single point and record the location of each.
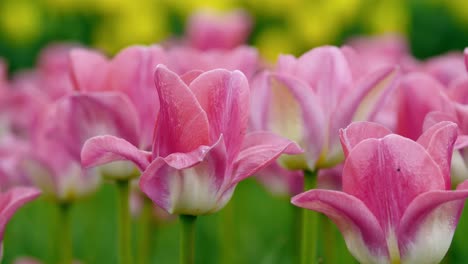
(359, 131)
(414, 104)
(224, 96)
(387, 174)
(465, 53)
(327, 72)
(259, 150)
(313, 120)
(427, 226)
(361, 103)
(188, 183)
(11, 201)
(182, 124)
(435, 117)
(361, 230)
(88, 70)
(439, 142)
(78, 117)
(189, 76)
(132, 72)
(105, 149)
(259, 101)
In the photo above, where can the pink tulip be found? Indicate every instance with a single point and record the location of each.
(446, 68)
(63, 129)
(130, 72)
(413, 102)
(207, 30)
(184, 59)
(396, 205)
(201, 149)
(10, 202)
(385, 50)
(310, 98)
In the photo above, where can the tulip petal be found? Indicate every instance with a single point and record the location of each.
(11, 201)
(188, 183)
(189, 76)
(435, 117)
(259, 150)
(78, 117)
(132, 72)
(414, 104)
(359, 131)
(427, 226)
(439, 142)
(465, 53)
(182, 124)
(88, 70)
(224, 96)
(105, 149)
(363, 235)
(387, 174)
(313, 119)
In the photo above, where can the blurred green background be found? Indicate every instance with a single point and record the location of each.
(262, 225)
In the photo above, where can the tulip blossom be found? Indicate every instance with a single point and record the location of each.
(385, 50)
(63, 129)
(129, 72)
(201, 149)
(184, 59)
(207, 30)
(10, 201)
(396, 205)
(310, 98)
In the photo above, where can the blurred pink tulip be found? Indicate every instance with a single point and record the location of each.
(418, 94)
(130, 72)
(201, 149)
(384, 50)
(207, 30)
(396, 205)
(184, 59)
(310, 98)
(446, 68)
(63, 129)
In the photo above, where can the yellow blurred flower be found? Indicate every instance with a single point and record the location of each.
(460, 9)
(274, 41)
(131, 27)
(20, 21)
(387, 16)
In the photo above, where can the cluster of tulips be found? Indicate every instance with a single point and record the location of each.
(182, 123)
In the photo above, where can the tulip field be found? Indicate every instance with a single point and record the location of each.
(233, 132)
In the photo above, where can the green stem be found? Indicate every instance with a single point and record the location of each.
(65, 237)
(145, 232)
(124, 224)
(309, 224)
(227, 234)
(187, 239)
(329, 239)
(296, 231)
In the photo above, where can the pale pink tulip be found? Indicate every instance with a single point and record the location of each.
(201, 149)
(207, 30)
(396, 205)
(310, 98)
